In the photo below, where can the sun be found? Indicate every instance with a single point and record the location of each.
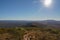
(47, 3)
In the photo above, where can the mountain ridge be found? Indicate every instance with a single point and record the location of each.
(16, 23)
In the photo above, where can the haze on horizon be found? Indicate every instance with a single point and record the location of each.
(29, 9)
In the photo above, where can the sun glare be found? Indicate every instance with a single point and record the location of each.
(47, 3)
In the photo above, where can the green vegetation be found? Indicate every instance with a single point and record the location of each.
(40, 33)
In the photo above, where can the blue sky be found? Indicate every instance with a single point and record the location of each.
(29, 10)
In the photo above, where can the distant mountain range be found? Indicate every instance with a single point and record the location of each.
(23, 23)
(52, 23)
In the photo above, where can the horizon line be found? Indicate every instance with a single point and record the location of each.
(31, 20)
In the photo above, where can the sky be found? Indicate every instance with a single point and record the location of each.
(29, 10)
